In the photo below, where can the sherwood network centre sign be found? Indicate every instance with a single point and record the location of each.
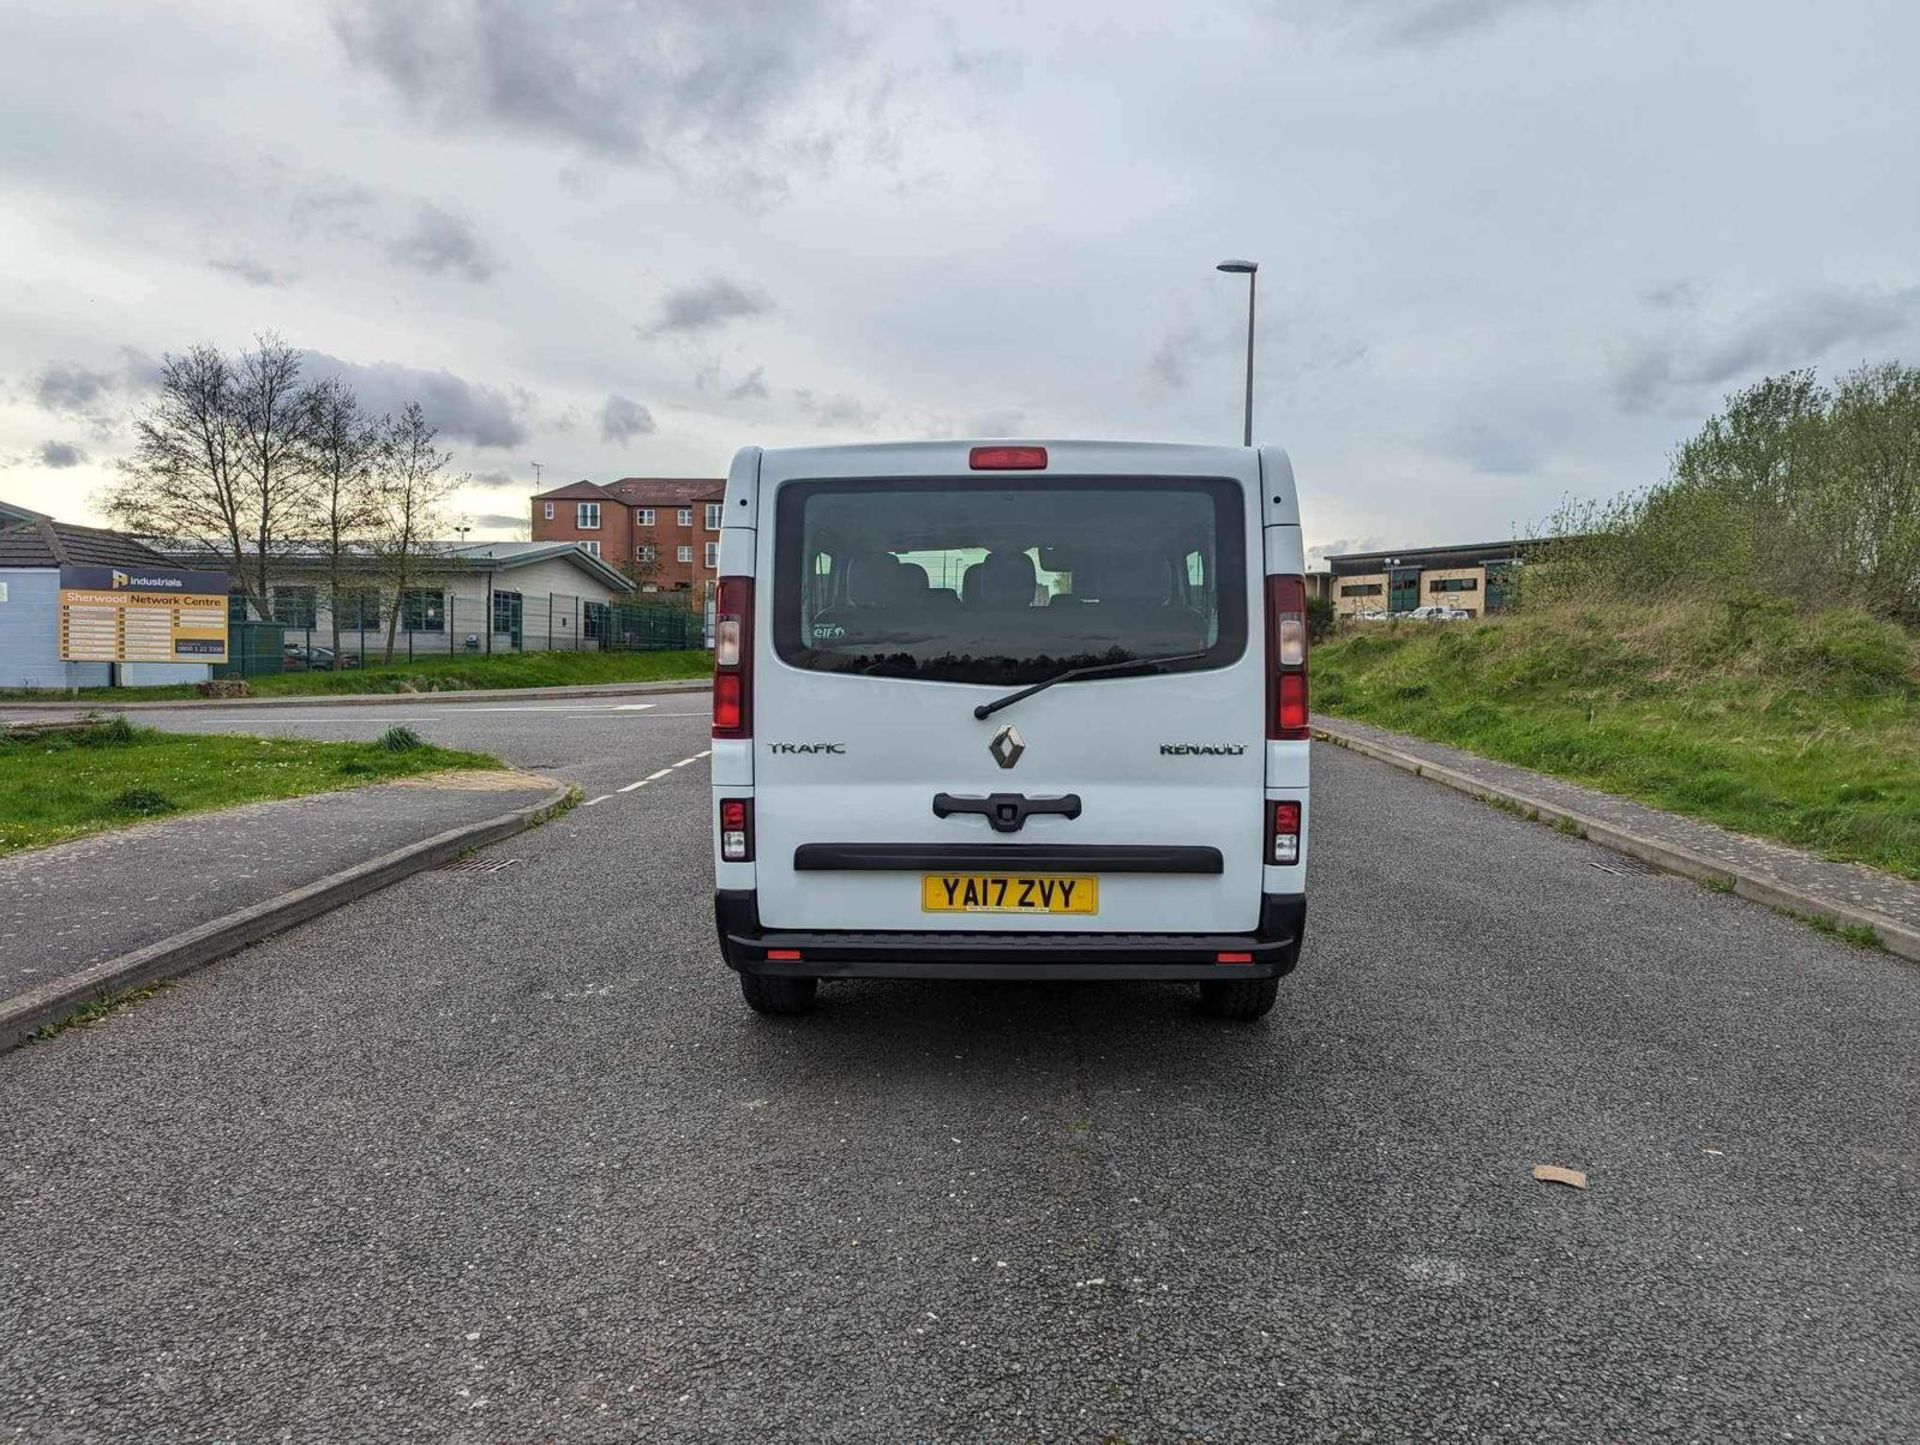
(142, 615)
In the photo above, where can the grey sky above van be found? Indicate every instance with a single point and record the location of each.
(1509, 251)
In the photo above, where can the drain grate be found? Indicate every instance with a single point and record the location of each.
(477, 865)
(1621, 866)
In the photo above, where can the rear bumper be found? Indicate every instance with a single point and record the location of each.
(1273, 947)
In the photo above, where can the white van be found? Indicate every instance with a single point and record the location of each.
(1032, 711)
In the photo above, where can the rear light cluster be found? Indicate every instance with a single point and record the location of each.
(733, 658)
(736, 830)
(1287, 658)
(1283, 839)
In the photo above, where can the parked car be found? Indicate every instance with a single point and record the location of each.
(1437, 614)
(301, 657)
(1011, 711)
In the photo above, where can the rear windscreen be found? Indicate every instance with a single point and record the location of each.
(961, 580)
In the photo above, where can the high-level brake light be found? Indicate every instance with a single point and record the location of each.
(1008, 459)
(733, 658)
(1287, 658)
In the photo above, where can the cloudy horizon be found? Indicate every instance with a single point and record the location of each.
(1510, 251)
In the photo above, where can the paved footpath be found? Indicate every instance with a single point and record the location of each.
(1839, 887)
(65, 908)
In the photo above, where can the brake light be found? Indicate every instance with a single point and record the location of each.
(1283, 840)
(733, 658)
(736, 830)
(1007, 459)
(1287, 658)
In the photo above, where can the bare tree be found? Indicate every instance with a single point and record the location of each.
(184, 482)
(344, 449)
(414, 484)
(272, 451)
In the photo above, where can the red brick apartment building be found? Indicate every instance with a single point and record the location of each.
(662, 531)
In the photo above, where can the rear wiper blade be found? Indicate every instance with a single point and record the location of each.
(988, 709)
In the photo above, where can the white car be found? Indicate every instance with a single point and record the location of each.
(1437, 614)
(1026, 711)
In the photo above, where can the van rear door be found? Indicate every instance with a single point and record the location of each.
(891, 607)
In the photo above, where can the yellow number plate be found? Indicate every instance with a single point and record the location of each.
(1008, 893)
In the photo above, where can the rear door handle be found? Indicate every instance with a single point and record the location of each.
(1006, 812)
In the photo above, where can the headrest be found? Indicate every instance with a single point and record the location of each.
(1004, 579)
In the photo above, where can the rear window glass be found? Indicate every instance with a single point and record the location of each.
(978, 581)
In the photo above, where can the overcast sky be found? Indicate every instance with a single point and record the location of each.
(1510, 249)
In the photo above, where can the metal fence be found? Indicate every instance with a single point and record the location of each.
(433, 622)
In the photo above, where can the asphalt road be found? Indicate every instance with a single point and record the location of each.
(503, 1157)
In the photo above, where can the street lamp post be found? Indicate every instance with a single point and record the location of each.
(1251, 270)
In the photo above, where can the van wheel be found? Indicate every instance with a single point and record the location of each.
(766, 995)
(1245, 999)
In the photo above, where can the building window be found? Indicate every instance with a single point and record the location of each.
(686, 554)
(358, 610)
(713, 555)
(506, 613)
(423, 609)
(686, 516)
(713, 516)
(1454, 584)
(593, 548)
(1361, 589)
(294, 606)
(643, 517)
(646, 551)
(549, 511)
(587, 516)
(593, 617)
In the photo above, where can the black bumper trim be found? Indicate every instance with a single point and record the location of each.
(1006, 858)
(1273, 948)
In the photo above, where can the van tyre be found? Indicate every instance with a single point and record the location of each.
(768, 995)
(1245, 999)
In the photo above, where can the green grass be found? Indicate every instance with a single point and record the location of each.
(461, 673)
(93, 1011)
(1802, 729)
(63, 786)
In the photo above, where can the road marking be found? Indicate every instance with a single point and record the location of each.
(601, 799)
(631, 786)
(635, 706)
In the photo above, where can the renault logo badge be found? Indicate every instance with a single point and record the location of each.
(1006, 747)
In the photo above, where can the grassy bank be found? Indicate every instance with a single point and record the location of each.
(1802, 729)
(460, 673)
(62, 786)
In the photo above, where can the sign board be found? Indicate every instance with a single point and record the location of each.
(108, 614)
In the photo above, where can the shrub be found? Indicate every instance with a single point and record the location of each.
(142, 803)
(114, 733)
(399, 739)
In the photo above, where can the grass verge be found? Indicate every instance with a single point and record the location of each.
(461, 673)
(66, 785)
(1802, 729)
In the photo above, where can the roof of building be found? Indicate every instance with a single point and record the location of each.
(441, 557)
(12, 513)
(668, 491)
(1460, 554)
(583, 489)
(47, 543)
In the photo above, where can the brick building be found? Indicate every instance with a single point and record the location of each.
(664, 532)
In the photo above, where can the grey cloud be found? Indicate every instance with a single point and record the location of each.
(1006, 422)
(704, 307)
(1675, 295)
(439, 242)
(462, 410)
(1340, 546)
(649, 81)
(1172, 361)
(74, 390)
(499, 520)
(254, 273)
(1423, 24)
(495, 478)
(751, 387)
(835, 411)
(60, 454)
(622, 419)
(1674, 368)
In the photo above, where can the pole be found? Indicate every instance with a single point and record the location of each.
(1253, 280)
